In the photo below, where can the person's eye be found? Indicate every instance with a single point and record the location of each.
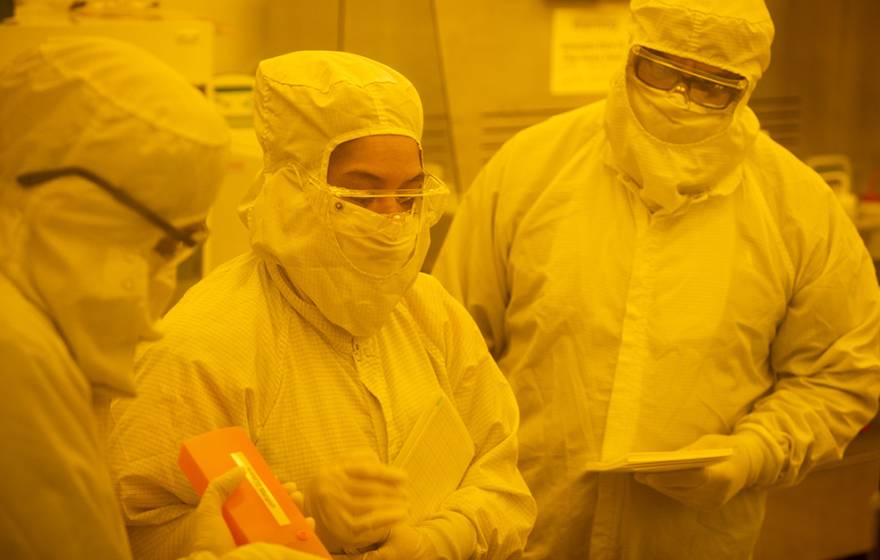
(661, 72)
(710, 89)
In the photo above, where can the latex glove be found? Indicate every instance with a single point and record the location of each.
(404, 543)
(210, 532)
(357, 501)
(299, 500)
(708, 487)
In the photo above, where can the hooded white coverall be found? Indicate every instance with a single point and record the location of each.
(744, 304)
(251, 345)
(78, 279)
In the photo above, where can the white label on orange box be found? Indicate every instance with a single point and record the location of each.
(265, 494)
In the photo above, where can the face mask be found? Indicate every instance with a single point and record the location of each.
(97, 296)
(375, 244)
(354, 267)
(95, 275)
(161, 289)
(667, 175)
(670, 117)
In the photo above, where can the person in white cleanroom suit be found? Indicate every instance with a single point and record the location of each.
(108, 163)
(327, 344)
(652, 273)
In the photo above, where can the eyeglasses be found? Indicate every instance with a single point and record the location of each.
(175, 240)
(703, 88)
(429, 188)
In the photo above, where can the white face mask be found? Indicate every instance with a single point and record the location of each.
(98, 297)
(352, 265)
(161, 289)
(95, 274)
(672, 118)
(669, 175)
(375, 244)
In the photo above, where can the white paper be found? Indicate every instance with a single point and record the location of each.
(588, 44)
(435, 455)
(662, 460)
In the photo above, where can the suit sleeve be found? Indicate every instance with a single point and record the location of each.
(492, 512)
(825, 354)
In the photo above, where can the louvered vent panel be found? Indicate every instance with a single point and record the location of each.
(496, 127)
(435, 142)
(782, 118)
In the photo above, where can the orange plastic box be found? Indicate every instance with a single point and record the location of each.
(259, 510)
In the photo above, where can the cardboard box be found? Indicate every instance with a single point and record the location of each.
(259, 510)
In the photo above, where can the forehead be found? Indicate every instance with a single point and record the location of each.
(377, 150)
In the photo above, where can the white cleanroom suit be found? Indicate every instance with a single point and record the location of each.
(322, 342)
(641, 290)
(78, 280)
(82, 277)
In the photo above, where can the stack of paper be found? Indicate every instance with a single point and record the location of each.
(648, 461)
(435, 455)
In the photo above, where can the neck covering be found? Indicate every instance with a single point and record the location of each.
(672, 156)
(306, 104)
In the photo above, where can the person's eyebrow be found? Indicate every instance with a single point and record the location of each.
(418, 177)
(365, 175)
(375, 179)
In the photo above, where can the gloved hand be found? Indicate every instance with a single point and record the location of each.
(404, 543)
(357, 501)
(709, 487)
(212, 538)
(210, 532)
(299, 500)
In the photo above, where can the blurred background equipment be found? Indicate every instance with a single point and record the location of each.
(232, 95)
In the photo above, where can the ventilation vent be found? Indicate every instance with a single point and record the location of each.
(435, 143)
(782, 118)
(496, 127)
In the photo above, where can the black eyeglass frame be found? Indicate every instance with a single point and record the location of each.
(33, 179)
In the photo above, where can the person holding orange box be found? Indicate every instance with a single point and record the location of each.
(357, 377)
(108, 163)
(260, 510)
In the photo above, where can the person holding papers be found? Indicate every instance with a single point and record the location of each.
(654, 274)
(357, 377)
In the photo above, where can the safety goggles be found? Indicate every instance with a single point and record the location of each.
(428, 188)
(703, 88)
(375, 211)
(176, 242)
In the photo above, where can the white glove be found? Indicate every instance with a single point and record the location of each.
(211, 536)
(357, 501)
(210, 532)
(709, 487)
(404, 543)
(299, 500)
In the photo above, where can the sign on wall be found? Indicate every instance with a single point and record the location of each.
(588, 44)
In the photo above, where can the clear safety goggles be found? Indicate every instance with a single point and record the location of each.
(177, 243)
(366, 212)
(703, 88)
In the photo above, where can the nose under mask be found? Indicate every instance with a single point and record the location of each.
(671, 117)
(373, 243)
